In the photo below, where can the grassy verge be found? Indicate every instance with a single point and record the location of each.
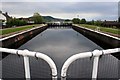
(103, 29)
(17, 29)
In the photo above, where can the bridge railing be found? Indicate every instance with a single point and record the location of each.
(26, 54)
(96, 54)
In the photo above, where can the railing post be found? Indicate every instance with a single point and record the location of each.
(27, 67)
(95, 68)
(96, 54)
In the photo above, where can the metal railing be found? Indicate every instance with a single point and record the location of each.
(95, 54)
(26, 54)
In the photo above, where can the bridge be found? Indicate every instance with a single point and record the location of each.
(59, 24)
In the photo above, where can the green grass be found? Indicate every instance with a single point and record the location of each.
(103, 29)
(11, 30)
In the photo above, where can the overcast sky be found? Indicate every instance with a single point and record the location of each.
(66, 10)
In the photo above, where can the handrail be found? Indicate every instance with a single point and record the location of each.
(26, 54)
(95, 54)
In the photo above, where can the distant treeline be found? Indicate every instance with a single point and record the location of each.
(35, 19)
(38, 19)
(112, 24)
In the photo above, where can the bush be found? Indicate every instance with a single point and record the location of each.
(82, 21)
(98, 23)
(76, 20)
(15, 22)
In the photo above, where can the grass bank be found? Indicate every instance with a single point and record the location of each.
(16, 29)
(102, 29)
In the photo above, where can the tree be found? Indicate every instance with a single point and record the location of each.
(83, 21)
(76, 20)
(37, 18)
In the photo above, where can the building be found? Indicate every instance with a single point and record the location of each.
(111, 24)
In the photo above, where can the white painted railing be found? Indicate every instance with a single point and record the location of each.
(26, 54)
(95, 54)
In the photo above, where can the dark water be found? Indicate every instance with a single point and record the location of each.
(60, 44)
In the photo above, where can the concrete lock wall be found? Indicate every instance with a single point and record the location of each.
(103, 39)
(17, 40)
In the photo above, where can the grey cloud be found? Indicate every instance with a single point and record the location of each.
(101, 7)
(28, 8)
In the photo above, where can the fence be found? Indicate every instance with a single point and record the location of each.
(26, 54)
